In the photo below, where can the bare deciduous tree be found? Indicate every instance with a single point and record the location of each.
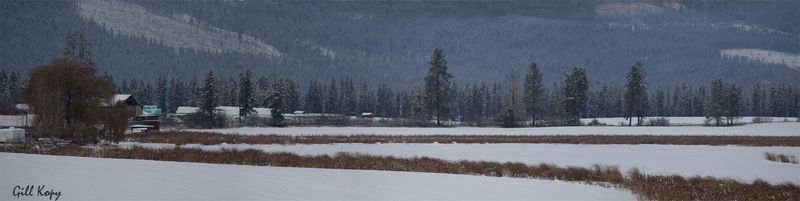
(66, 97)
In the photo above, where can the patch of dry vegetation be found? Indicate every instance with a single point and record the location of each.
(783, 158)
(647, 187)
(673, 187)
(185, 137)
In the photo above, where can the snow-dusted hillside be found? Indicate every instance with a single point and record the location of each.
(735, 162)
(761, 29)
(636, 8)
(764, 129)
(116, 179)
(180, 31)
(790, 60)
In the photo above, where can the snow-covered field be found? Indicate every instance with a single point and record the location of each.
(764, 129)
(735, 162)
(79, 178)
(679, 121)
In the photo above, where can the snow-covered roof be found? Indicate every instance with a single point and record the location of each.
(263, 111)
(127, 98)
(120, 97)
(229, 110)
(186, 110)
(22, 106)
(16, 120)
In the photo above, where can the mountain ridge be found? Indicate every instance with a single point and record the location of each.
(379, 41)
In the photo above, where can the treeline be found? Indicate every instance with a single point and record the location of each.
(518, 100)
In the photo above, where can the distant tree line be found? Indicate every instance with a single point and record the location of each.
(516, 101)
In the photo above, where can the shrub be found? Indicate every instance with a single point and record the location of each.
(200, 120)
(762, 119)
(783, 158)
(594, 122)
(659, 121)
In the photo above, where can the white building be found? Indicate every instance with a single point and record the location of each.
(230, 111)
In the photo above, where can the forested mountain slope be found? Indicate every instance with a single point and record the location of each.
(678, 41)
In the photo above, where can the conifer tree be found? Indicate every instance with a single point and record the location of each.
(698, 100)
(161, 93)
(715, 105)
(348, 98)
(384, 101)
(575, 92)
(14, 89)
(276, 104)
(635, 94)
(246, 100)
(757, 102)
(292, 99)
(660, 102)
(194, 90)
(313, 102)
(437, 87)
(3, 84)
(366, 100)
(734, 104)
(209, 99)
(512, 102)
(533, 92)
(332, 98)
(77, 48)
(177, 95)
(263, 92)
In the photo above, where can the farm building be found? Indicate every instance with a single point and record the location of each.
(20, 121)
(134, 107)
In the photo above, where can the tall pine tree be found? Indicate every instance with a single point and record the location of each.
(332, 98)
(246, 100)
(635, 94)
(313, 98)
(276, 104)
(162, 90)
(366, 100)
(437, 87)
(348, 99)
(575, 92)
(533, 92)
(659, 99)
(209, 99)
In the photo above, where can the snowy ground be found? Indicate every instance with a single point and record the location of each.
(680, 121)
(117, 179)
(735, 162)
(764, 129)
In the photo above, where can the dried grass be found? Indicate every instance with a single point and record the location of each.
(783, 158)
(649, 187)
